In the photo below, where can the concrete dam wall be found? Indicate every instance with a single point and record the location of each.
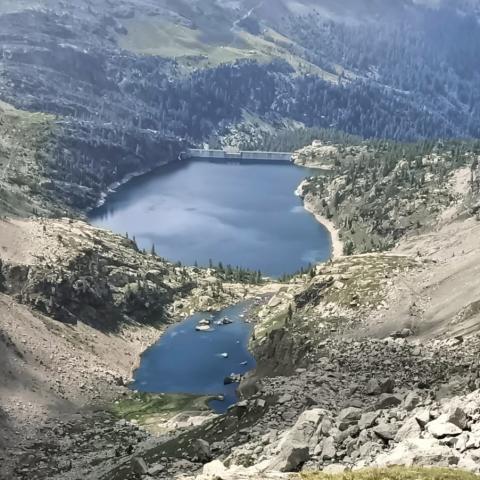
(223, 155)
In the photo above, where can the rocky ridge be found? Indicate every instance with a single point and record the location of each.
(377, 192)
(75, 270)
(53, 167)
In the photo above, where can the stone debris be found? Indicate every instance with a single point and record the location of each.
(404, 426)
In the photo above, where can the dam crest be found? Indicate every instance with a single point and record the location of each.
(235, 156)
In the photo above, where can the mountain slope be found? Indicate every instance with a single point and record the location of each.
(192, 70)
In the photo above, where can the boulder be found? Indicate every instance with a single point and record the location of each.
(339, 436)
(473, 440)
(215, 469)
(323, 428)
(372, 387)
(387, 400)
(461, 442)
(348, 416)
(285, 399)
(202, 450)
(290, 459)
(412, 400)
(456, 415)
(386, 431)
(328, 451)
(369, 449)
(156, 469)
(295, 446)
(139, 466)
(377, 387)
(423, 452)
(248, 386)
(471, 406)
(423, 417)
(441, 428)
(469, 463)
(410, 429)
(367, 420)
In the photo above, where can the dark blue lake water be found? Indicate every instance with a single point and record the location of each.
(243, 215)
(187, 361)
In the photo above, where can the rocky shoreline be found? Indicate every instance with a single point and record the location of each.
(112, 188)
(336, 242)
(309, 205)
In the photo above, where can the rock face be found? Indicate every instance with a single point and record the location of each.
(89, 275)
(377, 387)
(203, 450)
(410, 429)
(349, 416)
(387, 401)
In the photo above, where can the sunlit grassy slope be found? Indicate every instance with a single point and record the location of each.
(397, 473)
(197, 46)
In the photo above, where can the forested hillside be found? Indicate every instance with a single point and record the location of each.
(376, 69)
(378, 192)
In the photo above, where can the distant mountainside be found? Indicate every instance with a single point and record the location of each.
(193, 69)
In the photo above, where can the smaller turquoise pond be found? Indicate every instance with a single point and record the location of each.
(187, 361)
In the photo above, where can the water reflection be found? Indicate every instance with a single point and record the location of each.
(245, 215)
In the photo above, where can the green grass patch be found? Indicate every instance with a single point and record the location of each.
(196, 47)
(154, 36)
(361, 279)
(157, 36)
(141, 407)
(396, 473)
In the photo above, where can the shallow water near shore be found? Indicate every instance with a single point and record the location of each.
(244, 215)
(187, 361)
